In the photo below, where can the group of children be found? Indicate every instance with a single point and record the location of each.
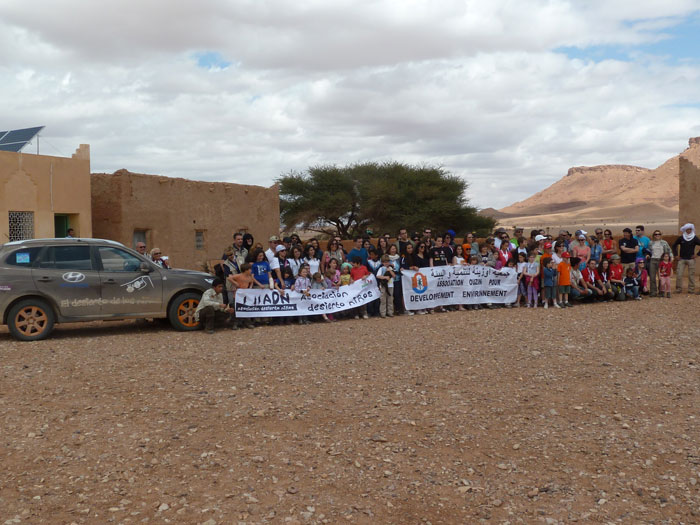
(570, 278)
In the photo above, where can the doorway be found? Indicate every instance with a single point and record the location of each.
(60, 225)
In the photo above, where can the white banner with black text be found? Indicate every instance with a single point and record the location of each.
(272, 303)
(453, 285)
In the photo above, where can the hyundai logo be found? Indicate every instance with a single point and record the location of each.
(73, 277)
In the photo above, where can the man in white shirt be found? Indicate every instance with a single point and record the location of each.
(271, 252)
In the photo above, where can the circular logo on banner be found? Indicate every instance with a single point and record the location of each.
(73, 277)
(419, 283)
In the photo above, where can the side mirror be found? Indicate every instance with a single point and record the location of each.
(145, 268)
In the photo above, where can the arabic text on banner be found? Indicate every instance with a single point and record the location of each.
(271, 303)
(449, 285)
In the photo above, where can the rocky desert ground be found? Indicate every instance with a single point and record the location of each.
(588, 415)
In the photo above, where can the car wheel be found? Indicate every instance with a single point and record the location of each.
(181, 311)
(31, 320)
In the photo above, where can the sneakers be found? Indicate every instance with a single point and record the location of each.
(568, 304)
(210, 331)
(421, 312)
(668, 295)
(409, 312)
(557, 305)
(365, 316)
(546, 305)
(638, 298)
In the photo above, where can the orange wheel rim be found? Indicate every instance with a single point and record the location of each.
(185, 312)
(31, 321)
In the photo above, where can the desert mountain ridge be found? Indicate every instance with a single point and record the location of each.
(604, 195)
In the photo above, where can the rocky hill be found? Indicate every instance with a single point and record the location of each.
(608, 194)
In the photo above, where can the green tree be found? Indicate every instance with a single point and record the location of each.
(382, 196)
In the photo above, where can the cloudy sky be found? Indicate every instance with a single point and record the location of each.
(507, 94)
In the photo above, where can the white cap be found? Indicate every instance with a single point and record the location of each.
(539, 238)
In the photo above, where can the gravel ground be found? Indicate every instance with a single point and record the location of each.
(587, 414)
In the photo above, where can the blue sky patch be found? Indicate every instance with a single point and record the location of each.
(677, 43)
(211, 60)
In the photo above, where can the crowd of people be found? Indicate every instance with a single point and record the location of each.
(552, 271)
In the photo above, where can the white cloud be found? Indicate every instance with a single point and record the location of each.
(474, 86)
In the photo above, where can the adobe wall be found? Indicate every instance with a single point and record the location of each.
(689, 192)
(46, 185)
(689, 188)
(172, 210)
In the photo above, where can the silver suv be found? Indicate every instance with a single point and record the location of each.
(44, 281)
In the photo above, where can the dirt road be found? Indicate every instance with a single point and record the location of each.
(587, 414)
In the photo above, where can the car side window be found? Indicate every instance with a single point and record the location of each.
(117, 260)
(23, 257)
(67, 258)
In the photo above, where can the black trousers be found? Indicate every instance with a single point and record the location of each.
(209, 315)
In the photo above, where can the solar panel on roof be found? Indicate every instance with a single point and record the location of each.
(16, 139)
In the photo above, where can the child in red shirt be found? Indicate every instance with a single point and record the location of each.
(617, 279)
(357, 272)
(665, 273)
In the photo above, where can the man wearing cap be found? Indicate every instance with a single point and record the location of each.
(517, 237)
(271, 252)
(684, 252)
(628, 249)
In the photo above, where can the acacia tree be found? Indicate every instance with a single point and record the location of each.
(385, 196)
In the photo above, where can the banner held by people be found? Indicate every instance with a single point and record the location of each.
(454, 285)
(255, 302)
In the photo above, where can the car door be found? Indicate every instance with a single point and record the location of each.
(127, 289)
(67, 274)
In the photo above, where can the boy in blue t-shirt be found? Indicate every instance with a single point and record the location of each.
(549, 280)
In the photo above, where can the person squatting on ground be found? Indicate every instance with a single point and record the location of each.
(211, 307)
